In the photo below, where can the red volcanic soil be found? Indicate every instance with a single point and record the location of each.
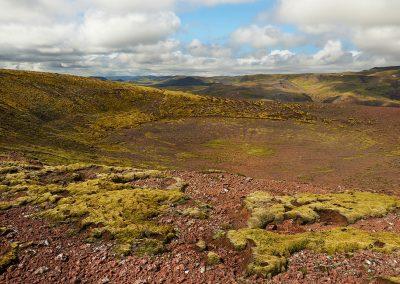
(59, 254)
(352, 147)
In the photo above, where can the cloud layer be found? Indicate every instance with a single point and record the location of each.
(140, 37)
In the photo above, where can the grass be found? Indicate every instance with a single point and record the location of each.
(305, 208)
(271, 250)
(66, 119)
(249, 149)
(369, 88)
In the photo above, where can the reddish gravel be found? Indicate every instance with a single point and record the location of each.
(58, 254)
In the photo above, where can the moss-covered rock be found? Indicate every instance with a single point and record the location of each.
(271, 250)
(213, 258)
(306, 208)
(9, 258)
(218, 234)
(389, 279)
(105, 202)
(201, 245)
(195, 212)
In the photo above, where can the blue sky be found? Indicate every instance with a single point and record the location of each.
(198, 37)
(215, 24)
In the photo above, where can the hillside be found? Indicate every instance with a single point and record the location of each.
(66, 117)
(375, 87)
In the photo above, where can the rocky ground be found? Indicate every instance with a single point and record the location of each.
(60, 253)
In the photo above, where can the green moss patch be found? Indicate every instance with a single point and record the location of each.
(213, 258)
(9, 257)
(104, 202)
(249, 149)
(307, 208)
(195, 212)
(271, 250)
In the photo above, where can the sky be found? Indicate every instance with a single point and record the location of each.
(198, 37)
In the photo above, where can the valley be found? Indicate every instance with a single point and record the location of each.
(187, 181)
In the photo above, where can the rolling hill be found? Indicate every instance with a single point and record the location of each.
(375, 87)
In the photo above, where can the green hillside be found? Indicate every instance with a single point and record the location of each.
(65, 118)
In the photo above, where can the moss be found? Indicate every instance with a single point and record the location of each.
(250, 149)
(5, 205)
(125, 214)
(106, 205)
(179, 184)
(213, 258)
(9, 258)
(195, 212)
(132, 176)
(259, 151)
(305, 208)
(271, 250)
(201, 245)
(149, 247)
(218, 234)
(8, 170)
(390, 279)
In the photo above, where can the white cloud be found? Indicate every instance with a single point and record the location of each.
(23, 37)
(265, 36)
(371, 25)
(274, 58)
(197, 48)
(36, 11)
(102, 32)
(135, 36)
(331, 52)
(131, 6)
(342, 12)
(379, 40)
(218, 2)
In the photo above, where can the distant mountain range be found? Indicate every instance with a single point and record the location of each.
(379, 86)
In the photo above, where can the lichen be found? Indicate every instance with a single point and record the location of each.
(306, 208)
(271, 250)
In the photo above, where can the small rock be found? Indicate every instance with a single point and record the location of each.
(31, 251)
(44, 243)
(41, 270)
(62, 257)
(368, 262)
(202, 269)
(105, 280)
